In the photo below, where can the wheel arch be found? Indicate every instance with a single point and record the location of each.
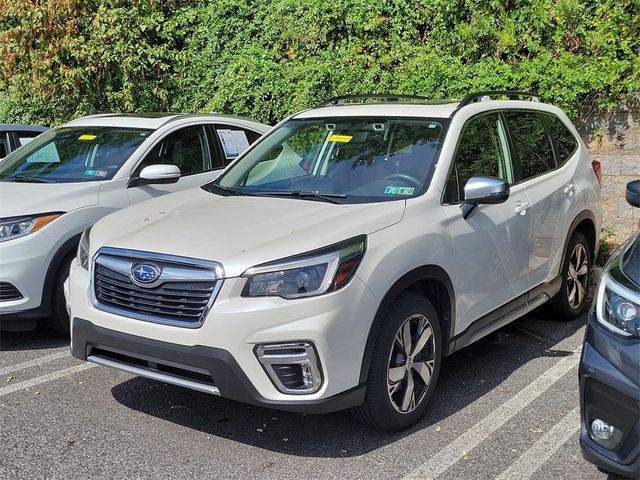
(584, 223)
(65, 249)
(434, 283)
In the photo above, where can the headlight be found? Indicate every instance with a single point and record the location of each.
(307, 275)
(83, 249)
(15, 227)
(618, 307)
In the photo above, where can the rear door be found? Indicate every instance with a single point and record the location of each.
(493, 244)
(551, 191)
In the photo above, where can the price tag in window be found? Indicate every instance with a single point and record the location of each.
(234, 142)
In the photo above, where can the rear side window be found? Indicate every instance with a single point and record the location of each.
(534, 154)
(566, 144)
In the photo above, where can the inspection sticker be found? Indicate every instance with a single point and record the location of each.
(391, 190)
(340, 138)
(87, 136)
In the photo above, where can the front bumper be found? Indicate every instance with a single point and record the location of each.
(23, 264)
(224, 346)
(610, 390)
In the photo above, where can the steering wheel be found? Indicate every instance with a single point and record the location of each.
(405, 178)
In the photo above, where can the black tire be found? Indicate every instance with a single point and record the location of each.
(59, 319)
(379, 410)
(564, 306)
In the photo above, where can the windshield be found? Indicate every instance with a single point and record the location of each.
(73, 154)
(352, 159)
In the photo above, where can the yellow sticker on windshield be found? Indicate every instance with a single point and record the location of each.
(340, 138)
(87, 136)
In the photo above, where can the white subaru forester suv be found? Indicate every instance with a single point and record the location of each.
(338, 260)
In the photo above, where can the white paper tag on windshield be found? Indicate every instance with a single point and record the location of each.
(47, 154)
(234, 142)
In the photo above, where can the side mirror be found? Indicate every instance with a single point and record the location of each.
(483, 190)
(633, 193)
(158, 174)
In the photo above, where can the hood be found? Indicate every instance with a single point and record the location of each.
(18, 199)
(630, 264)
(238, 231)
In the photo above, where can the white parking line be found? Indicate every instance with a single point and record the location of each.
(471, 438)
(45, 378)
(531, 460)
(34, 363)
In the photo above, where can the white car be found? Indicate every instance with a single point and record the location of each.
(57, 185)
(341, 257)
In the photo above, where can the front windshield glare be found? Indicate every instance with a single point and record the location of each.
(359, 159)
(73, 154)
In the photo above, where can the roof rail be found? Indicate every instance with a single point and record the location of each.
(343, 99)
(511, 95)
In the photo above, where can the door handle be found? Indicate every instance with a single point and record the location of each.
(569, 189)
(522, 207)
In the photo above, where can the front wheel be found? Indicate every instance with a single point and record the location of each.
(572, 297)
(59, 319)
(404, 366)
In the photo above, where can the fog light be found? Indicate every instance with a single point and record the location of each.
(606, 434)
(293, 367)
(601, 430)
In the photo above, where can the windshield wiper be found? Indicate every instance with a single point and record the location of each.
(326, 196)
(229, 190)
(25, 179)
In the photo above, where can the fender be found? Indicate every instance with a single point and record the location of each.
(420, 273)
(583, 215)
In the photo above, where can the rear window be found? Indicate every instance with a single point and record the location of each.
(565, 142)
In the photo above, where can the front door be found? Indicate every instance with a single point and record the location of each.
(493, 245)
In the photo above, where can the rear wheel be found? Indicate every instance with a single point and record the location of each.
(404, 366)
(59, 319)
(572, 297)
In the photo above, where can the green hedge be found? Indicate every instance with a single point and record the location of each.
(64, 58)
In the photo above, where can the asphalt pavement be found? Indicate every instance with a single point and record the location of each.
(505, 408)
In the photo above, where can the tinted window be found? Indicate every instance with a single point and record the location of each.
(534, 153)
(73, 154)
(26, 137)
(482, 151)
(186, 148)
(565, 142)
(4, 145)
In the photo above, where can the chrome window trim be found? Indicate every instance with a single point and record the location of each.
(214, 270)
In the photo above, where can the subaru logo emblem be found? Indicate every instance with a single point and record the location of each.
(145, 273)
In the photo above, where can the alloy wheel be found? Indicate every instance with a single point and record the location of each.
(411, 363)
(577, 276)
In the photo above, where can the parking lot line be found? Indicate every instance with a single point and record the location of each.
(35, 362)
(472, 437)
(45, 378)
(531, 460)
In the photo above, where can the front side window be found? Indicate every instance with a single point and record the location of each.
(187, 148)
(26, 137)
(355, 159)
(534, 154)
(73, 154)
(482, 151)
(565, 142)
(4, 145)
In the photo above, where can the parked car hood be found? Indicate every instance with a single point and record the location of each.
(630, 264)
(238, 231)
(17, 199)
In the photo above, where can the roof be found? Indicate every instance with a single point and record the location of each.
(382, 109)
(21, 128)
(151, 121)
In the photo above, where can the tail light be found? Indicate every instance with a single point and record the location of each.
(597, 169)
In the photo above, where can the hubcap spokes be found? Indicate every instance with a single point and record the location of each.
(577, 276)
(411, 363)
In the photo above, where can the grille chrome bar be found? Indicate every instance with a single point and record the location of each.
(182, 296)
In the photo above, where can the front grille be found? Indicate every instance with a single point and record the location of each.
(182, 297)
(8, 292)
